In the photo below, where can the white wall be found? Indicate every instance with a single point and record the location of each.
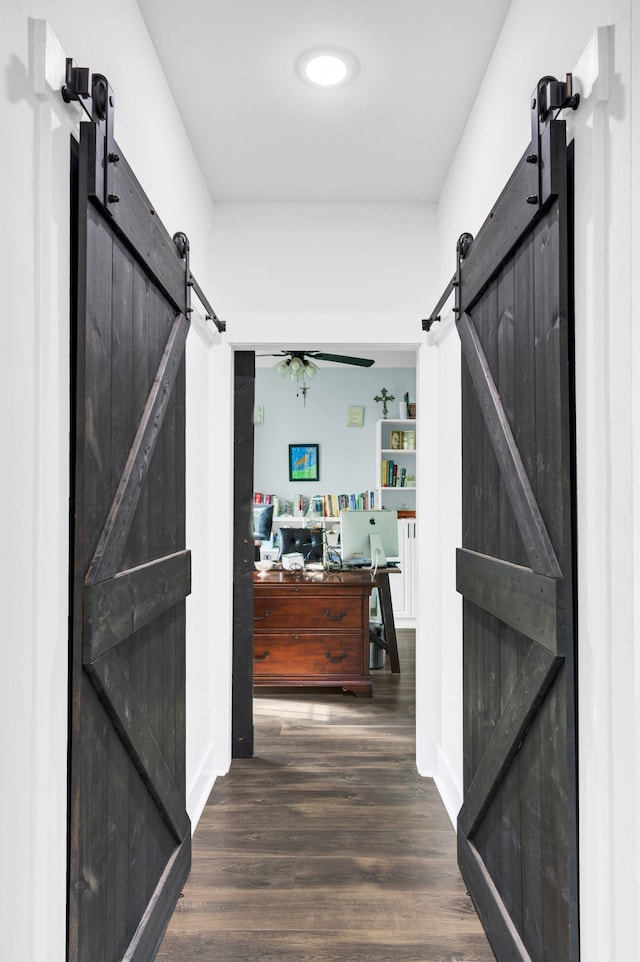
(607, 425)
(347, 454)
(34, 406)
(322, 260)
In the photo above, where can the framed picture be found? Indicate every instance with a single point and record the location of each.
(304, 462)
(355, 416)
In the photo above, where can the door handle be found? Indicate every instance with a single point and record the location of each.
(262, 617)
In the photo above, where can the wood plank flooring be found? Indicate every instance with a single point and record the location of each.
(327, 846)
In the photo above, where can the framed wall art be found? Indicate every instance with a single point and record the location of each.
(355, 416)
(304, 462)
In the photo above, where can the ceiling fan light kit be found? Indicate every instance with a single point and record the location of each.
(298, 364)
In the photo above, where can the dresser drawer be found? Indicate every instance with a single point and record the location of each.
(299, 654)
(331, 611)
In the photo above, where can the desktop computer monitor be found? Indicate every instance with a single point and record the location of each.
(368, 536)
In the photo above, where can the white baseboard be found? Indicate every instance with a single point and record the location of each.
(200, 788)
(448, 787)
(404, 622)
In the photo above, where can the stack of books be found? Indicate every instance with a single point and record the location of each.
(260, 498)
(393, 475)
(333, 504)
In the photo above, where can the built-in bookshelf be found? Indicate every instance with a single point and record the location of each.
(319, 505)
(396, 464)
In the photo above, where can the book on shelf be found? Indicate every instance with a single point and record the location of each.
(393, 475)
(333, 504)
(320, 505)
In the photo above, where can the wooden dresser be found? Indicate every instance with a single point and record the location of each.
(312, 629)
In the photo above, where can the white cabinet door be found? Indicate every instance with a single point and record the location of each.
(403, 587)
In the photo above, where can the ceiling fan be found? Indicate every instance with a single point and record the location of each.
(300, 364)
(320, 356)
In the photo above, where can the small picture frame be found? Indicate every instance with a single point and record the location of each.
(355, 416)
(304, 462)
(396, 439)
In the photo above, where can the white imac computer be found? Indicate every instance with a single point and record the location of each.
(368, 537)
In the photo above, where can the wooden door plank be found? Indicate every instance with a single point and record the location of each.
(94, 354)
(135, 218)
(87, 885)
(518, 596)
(524, 429)
(509, 219)
(532, 527)
(509, 638)
(180, 656)
(118, 812)
(115, 609)
(112, 540)
(146, 941)
(557, 723)
(502, 934)
(126, 715)
(472, 430)
(536, 676)
(488, 834)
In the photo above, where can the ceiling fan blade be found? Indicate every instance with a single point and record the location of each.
(342, 359)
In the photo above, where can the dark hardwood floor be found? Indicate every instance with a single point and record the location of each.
(328, 845)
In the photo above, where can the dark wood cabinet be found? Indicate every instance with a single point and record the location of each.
(312, 630)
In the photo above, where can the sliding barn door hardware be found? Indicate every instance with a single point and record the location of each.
(548, 137)
(462, 249)
(549, 98)
(95, 96)
(182, 243)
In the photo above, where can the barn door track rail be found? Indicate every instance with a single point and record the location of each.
(548, 99)
(111, 180)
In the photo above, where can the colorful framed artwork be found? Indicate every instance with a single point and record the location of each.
(304, 462)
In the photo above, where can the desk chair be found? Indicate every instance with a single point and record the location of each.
(304, 541)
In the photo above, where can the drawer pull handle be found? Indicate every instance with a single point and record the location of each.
(331, 617)
(262, 657)
(262, 617)
(334, 659)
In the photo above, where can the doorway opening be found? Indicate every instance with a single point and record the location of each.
(350, 464)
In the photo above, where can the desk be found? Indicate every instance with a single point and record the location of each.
(312, 629)
(391, 641)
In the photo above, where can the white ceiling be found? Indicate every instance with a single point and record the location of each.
(261, 134)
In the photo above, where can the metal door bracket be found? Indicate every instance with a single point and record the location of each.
(549, 98)
(95, 96)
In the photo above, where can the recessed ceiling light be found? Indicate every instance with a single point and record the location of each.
(329, 67)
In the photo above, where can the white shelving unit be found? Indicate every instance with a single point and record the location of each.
(396, 496)
(404, 586)
(401, 498)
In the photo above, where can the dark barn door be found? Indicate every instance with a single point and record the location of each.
(517, 828)
(129, 848)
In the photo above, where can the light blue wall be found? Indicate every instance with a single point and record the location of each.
(347, 454)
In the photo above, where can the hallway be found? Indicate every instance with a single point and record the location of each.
(327, 845)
